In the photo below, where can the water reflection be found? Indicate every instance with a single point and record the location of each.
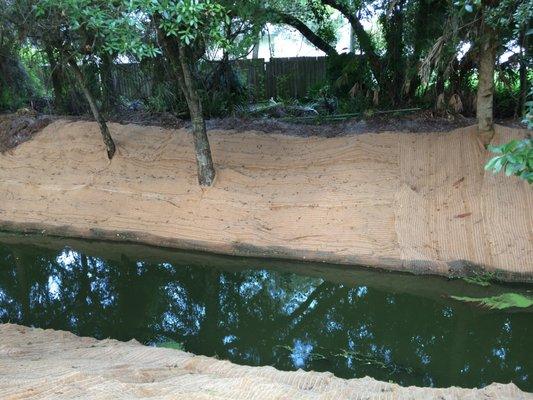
(262, 317)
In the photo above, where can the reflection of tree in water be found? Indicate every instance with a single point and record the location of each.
(260, 317)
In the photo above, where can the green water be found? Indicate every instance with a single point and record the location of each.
(352, 322)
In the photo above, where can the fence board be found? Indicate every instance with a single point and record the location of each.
(277, 78)
(287, 78)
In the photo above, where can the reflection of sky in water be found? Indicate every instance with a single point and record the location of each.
(35, 294)
(300, 353)
(357, 293)
(141, 268)
(250, 288)
(298, 298)
(6, 301)
(499, 353)
(181, 316)
(54, 283)
(363, 332)
(507, 326)
(332, 326)
(447, 312)
(67, 259)
(228, 339)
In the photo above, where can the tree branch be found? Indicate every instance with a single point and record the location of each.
(364, 39)
(311, 36)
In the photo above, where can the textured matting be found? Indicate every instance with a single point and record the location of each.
(46, 364)
(419, 202)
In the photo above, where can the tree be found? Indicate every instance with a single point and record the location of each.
(185, 28)
(349, 11)
(487, 25)
(311, 18)
(487, 47)
(393, 64)
(497, 20)
(84, 29)
(15, 86)
(314, 38)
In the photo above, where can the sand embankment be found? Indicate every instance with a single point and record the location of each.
(46, 364)
(419, 202)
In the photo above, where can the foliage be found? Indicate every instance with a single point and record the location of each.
(16, 86)
(480, 279)
(516, 158)
(34, 63)
(500, 15)
(501, 302)
(313, 13)
(171, 344)
(402, 34)
(506, 94)
(528, 115)
(92, 27)
(349, 76)
(191, 22)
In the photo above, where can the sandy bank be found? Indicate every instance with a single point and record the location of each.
(47, 364)
(418, 202)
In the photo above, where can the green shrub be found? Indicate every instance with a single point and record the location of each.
(516, 158)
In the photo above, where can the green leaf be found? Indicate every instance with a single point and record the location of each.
(501, 302)
(171, 344)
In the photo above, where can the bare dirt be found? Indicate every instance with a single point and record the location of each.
(18, 128)
(46, 364)
(412, 122)
(402, 201)
(424, 121)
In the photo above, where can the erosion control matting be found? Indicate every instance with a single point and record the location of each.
(404, 201)
(46, 364)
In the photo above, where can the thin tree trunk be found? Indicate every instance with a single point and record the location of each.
(57, 81)
(395, 67)
(204, 161)
(485, 90)
(108, 140)
(522, 72)
(179, 62)
(255, 52)
(353, 40)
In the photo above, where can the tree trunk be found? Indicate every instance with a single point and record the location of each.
(57, 81)
(204, 161)
(353, 39)
(522, 72)
(395, 67)
(108, 140)
(485, 90)
(255, 51)
(179, 61)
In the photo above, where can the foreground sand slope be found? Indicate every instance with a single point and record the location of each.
(46, 364)
(417, 202)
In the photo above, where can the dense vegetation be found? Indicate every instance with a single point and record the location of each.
(59, 56)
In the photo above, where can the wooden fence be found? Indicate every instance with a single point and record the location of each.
(277, 78)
